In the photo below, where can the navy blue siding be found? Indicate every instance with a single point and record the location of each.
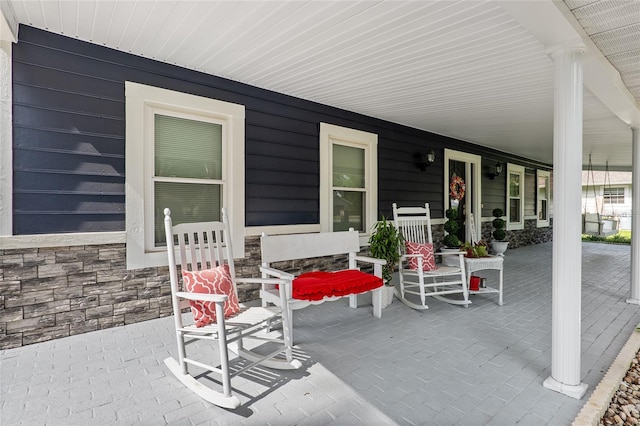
(69, 141)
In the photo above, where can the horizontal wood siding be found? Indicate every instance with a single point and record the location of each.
(69, 144)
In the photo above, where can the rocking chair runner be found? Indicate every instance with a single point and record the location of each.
(205, 251)
(417, 281)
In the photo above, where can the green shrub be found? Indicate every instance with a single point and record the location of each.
(619, 238)
(384, 243)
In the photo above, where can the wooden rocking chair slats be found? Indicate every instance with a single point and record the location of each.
(203, 246)
(414, 223)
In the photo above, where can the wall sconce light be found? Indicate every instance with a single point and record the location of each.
(423, 161)
(497, 171)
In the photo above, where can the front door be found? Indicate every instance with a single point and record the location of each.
(462, 190)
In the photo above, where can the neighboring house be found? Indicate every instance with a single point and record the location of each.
(609, 194)
(104, 140)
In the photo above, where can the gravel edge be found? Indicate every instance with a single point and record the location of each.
(597, 405)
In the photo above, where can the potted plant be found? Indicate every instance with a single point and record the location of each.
(451, 241)
(476, 250)
(384, 243)
(498, 245)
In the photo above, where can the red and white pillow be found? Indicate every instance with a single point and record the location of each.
(426, 250)
(210, 281)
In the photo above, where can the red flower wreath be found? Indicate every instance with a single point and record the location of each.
(456, 188)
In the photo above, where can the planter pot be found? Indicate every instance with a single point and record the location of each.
(499, 247)
(387, 295)
(450, 260)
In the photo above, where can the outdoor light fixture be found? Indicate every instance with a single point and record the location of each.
(424, 160)
(497, 171)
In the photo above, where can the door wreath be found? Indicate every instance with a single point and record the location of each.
(456, 188)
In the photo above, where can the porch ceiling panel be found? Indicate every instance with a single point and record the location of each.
(608, 139)
(614, 26)
(470, 69)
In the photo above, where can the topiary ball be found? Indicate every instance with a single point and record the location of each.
(498, 223)
(499, 234)
(451, 227)
(497, 213)
(451, 213)
(451, 241)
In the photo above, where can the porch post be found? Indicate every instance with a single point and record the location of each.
(567, 229)
(635, 218)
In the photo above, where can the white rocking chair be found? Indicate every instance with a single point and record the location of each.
(416, 284)
(203, 247)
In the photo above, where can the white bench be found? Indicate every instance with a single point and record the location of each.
(280, 248)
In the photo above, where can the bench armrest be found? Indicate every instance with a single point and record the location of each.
(283, 281)
(276, 273)
(207, 297)
(368, 259)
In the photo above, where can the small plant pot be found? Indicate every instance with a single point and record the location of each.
(450, 260)
(389, 289)
(387, 295)
(499, 247)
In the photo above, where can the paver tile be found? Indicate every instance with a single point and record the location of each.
(483, 365)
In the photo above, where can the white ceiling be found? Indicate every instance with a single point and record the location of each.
(473, 70)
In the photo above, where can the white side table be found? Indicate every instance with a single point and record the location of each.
(473, 264)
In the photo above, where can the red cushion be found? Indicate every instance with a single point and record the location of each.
(210, 281)
(426, 250)
(317, 285)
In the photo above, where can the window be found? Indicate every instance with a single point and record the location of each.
(348, 179)
(187, 174)
(515, 196)
(186, 153)
(614, 195)
(530, 194)
(544, 197)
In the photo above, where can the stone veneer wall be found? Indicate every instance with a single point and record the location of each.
(49, 293)
(530, 235)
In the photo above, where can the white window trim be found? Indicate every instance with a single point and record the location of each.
(368, 142)
(515, 169)
(140, 101)
(543, 174)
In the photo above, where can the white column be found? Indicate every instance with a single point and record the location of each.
(635, 218)
(567, 229)
(6, 128)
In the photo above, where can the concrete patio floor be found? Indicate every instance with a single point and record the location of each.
(483, 365)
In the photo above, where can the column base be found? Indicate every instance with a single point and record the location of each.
(633, 301)
(574, 391)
